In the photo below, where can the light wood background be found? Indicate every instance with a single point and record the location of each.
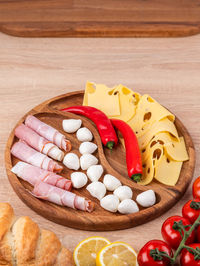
(33, 70)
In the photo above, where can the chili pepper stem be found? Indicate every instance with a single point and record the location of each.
(136, 177)
(110, 145)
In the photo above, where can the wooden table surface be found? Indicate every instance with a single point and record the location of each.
(34, 70)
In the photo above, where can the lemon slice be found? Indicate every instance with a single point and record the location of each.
(86, 251)
(117, 254)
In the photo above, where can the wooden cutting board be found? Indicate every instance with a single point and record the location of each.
(113, 162)
(105, 18)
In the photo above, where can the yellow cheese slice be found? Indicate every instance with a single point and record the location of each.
(148, 172)
(153, 150)
(150, 158)
(89, 88)
(177, 150)
(167, 171)
(128, 100)
(148, 111)
(102, 98)
(165, 125)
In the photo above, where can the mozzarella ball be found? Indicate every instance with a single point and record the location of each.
(110, 203)
(71, 161)
(123, 192)
(84, 134)
(78, 179)
(55, 153)
(97, 190)
(71, 125)
(94, 172)
(147, 198)
(111, 182)
(87, 147)
(87, 160)
(128, 206)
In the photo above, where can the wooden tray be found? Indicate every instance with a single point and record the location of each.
(105, 18)
(113, 163)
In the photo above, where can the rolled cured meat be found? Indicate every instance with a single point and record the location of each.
(27, 154)
(48, 132)
(38, 142)
(61, 197)
(33, 175)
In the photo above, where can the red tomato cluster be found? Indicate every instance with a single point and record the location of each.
(158, 252)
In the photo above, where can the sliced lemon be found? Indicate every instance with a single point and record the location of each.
(86, 251)
(117, 254)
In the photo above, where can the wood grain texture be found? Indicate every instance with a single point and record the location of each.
(113, 163)
(106, 18)
(33, 70)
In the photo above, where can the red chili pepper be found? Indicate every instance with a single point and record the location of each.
(133, 156)
(104, 126)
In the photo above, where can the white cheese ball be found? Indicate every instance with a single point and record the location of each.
(71, 161)
(71, 125)
(111, 182)
(88, 160)
(54, 152)
(97, 190)
(128, 206)
(147, 198)
(78, 179)
(94, 172)
(84, 134)
(87, 147)
(123, 192)
(110, 203)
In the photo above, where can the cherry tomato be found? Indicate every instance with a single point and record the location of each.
(196, 188)
(145, 259)
(187, 258)
(172, 236)
(191, 210)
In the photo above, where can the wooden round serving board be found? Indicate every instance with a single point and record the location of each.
(113, 162)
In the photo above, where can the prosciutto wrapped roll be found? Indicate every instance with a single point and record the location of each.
(48, 132)
(33, 175)
(38, 142)
(61, 197)
(27, 154)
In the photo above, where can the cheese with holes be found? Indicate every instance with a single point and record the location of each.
(148, 111)
(148, 172)
(164, 125)
(150, 158)
(102, 98)
(176, 150)
(128, 100)
(155, 152)
(162, 150)
(167, 171)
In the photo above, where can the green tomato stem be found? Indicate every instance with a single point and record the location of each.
(195, 205)
(185, 237)
(158, 255)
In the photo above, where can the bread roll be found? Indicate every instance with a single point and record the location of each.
(22, 243)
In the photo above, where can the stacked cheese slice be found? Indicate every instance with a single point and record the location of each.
(163, 151)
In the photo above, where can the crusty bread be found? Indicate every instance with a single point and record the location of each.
(22, 243)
